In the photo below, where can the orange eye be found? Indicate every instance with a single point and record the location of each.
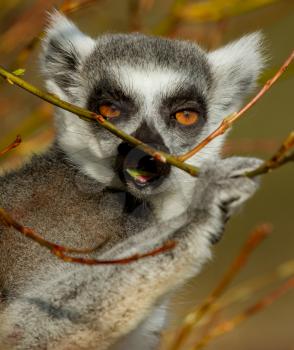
(109, 111)
(187, 117)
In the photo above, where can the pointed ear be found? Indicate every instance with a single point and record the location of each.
(236, 68)
(64, 50)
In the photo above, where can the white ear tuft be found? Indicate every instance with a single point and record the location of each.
(236, 68)
(61, 27)
(58, 23)
(64, 49)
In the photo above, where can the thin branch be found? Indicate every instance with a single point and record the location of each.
(59, 250)
(211, 11)
(247, 289)
(14, 144)
(229, 120)
(282, 156)
(244, 291)
(25, 26)
(229, 325)
(255, 238)
(67, 7)
(90, 116)
(158, 155)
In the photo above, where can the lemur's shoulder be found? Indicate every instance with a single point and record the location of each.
(36, 165)
(53, 197)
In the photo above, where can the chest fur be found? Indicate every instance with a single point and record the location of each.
(65, 207)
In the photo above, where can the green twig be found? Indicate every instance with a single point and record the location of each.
(281, 157)
(91, 116)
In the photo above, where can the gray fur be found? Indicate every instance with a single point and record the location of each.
(74, 195)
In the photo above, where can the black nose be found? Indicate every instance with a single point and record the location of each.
(124, 148)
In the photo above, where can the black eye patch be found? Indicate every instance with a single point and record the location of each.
(183, 98)
(107, 91)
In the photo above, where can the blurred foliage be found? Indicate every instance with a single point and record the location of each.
(216, 10)
(212, 23)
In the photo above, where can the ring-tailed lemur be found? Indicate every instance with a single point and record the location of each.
(91, 189)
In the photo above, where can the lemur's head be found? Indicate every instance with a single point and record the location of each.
(167, 93)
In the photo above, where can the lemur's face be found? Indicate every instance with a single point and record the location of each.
(162, 106)
(169, 94)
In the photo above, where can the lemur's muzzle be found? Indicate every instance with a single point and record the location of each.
(136, 166)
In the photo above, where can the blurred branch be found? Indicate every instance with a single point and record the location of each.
(59, 250)
(171, 21)
(215, 10)
(228, 326)
(14, 144)
(135, 7)
(68, 6)
(147, 5)
(249, 288)
(244, 292)
(7, 7)
(39, 117)
(282, 156)
(23, 56)
(191, 320)
(23, 30)
(229, 120)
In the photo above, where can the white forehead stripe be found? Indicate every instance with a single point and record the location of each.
(149, 83)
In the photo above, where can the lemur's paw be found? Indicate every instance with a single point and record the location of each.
(226, 189)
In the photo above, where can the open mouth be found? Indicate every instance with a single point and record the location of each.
(144, 170)
(141, 177)
(136, 167)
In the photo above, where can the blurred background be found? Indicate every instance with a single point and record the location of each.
(212, 24)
